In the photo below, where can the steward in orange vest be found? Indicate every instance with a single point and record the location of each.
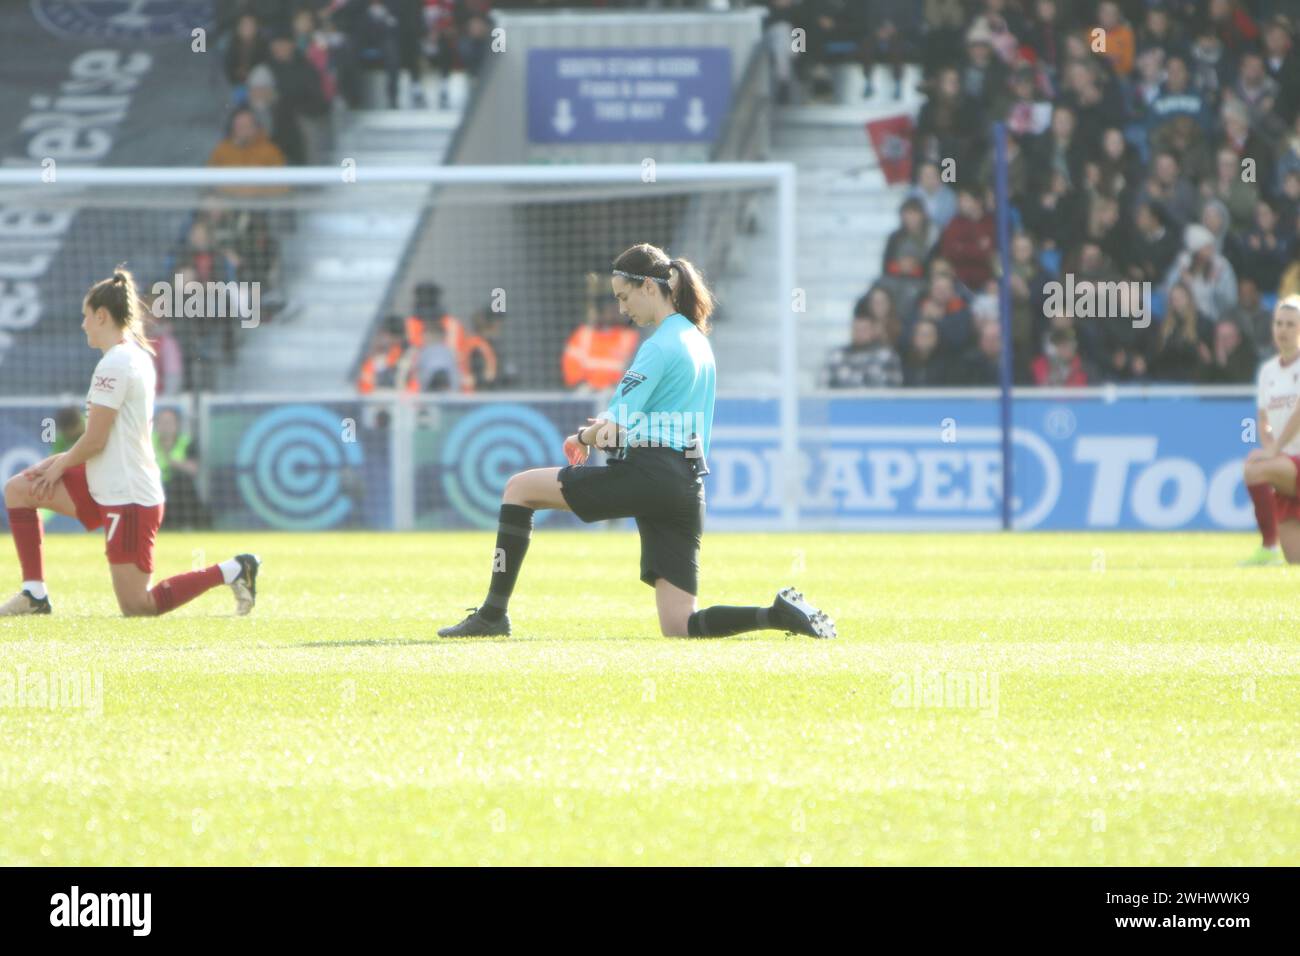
(599, 352)
(388, 366)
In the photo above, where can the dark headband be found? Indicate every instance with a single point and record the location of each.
(640, 278)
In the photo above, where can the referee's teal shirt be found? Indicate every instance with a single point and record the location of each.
(667, 395)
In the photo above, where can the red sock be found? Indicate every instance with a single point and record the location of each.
(25, 525)
(1265, 517)
(183, 588)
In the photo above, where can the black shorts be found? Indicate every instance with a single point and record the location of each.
(664, 491)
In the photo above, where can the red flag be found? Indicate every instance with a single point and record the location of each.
(892, 139)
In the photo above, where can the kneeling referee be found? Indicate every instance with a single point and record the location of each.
(657, 429)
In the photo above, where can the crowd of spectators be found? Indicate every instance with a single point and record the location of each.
(291, 66)
(431, 350)
(224, 242)
(1150, 141)
(341, 40)
(868, 32)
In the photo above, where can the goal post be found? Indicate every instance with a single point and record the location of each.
(331, 253)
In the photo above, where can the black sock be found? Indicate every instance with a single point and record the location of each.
(723, 621)
(514, 530)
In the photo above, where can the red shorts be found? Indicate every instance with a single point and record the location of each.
(1287, 507)
(129, 530)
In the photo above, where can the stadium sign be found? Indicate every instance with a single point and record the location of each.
(1165, 462)
(890, 476)
(134, 21)
(1092, 462)
(78, 126)
(628, 95)
(96, 101)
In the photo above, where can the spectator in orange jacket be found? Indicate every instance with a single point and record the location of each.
(388, 366)
(599, 350)
(247, 145)
(1121, 44)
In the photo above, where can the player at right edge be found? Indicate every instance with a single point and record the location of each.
(1271, 468)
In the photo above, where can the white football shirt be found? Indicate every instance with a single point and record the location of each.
(1279, 394)
(126, 471)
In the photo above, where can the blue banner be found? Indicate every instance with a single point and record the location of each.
(464, 453)
(300, 467)
(1086, 463)
(628, 95)
(1080, 463)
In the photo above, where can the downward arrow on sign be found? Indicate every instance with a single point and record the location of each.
(696, 121)
(563, 120)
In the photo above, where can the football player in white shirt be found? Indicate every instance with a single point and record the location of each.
(110, 478)
(1272, 467)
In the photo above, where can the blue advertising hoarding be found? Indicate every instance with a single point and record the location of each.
(628, 94)
(1157, 463)
(889, 463)
(299, 466)
(463, 454)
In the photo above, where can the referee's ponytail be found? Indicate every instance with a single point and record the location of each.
(678, 278)
(691, 296)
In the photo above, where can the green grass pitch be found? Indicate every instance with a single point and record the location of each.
(1027, 699)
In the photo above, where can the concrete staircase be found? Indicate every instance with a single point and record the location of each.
(337, 263)
(844, 212)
